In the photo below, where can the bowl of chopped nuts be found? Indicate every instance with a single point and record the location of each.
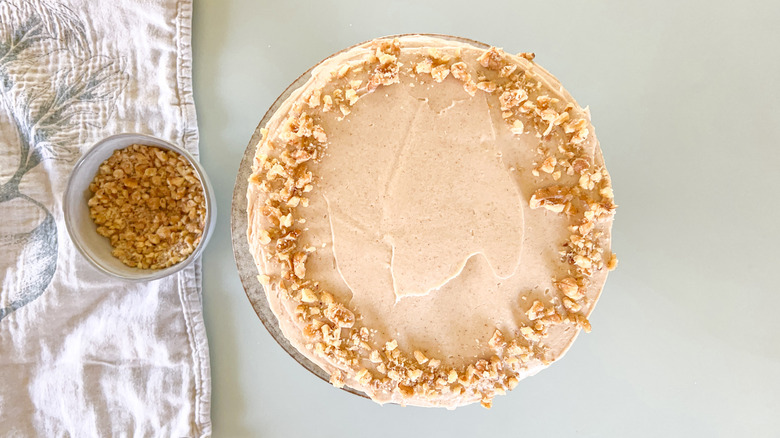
(139, 208)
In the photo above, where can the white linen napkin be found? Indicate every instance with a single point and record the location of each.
(81, 353)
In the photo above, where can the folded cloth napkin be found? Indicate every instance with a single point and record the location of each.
(83, 354)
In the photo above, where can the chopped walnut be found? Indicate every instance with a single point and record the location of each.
(507, 70)
(570, 288)
(387, 72)
(527, 55)
(517, 127)
(308, 296)
(149, 203)
(497, 341)
(337, 379)
(423, 66)
(406, 391)
(492, 59)
(414, 374)
(548, 166)
(470, 87)
(391, 345)
(586, 228)
(299, 264)
(613, 261)
(570, 305)
(340, 315)
(536, 311)
(364, 376)
(327, 103)
(512, 98)
(351, 96)
(440, 72)
(580, 165)
(263, 237)
(582, 322)
(460, 71)
(286, 221)
(486, 86)
(529, 334)
(314, 98)
(583, 262)
(553, 198)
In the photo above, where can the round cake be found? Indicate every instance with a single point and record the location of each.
(430, 219)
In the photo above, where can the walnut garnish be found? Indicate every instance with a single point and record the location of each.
(529, 334)
(440, 72)
(406, 391)
(580, 165)
(308, 296)
(470, 87)
(263, 237)
(497, 341)
(420, 357)
(387, 72)
(364, 376)
(487, 86)
(492, 59)
(507, 70)
(548, 166)
(570, 288)
(517, 127)
(337, 379)
(570, 305)
(527, 55)
(424, 66)
(391, 345)
(512, 98)
(460, 71)
(613, 261)
(340, 315)
(536, 311)
(351, 96)
(553, 198)
(327, 103)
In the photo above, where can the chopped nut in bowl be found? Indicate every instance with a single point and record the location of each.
(139, 208)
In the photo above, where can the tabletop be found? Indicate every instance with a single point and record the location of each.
(684, 96)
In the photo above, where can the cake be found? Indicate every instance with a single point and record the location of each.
(430, 219)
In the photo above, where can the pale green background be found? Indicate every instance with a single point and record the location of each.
(685, 100)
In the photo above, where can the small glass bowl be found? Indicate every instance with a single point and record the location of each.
(82, 229)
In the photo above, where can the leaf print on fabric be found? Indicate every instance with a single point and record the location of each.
(52, 87)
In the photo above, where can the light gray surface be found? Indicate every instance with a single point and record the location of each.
(684, 96)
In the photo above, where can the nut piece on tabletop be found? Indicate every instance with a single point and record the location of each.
(149, 202)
